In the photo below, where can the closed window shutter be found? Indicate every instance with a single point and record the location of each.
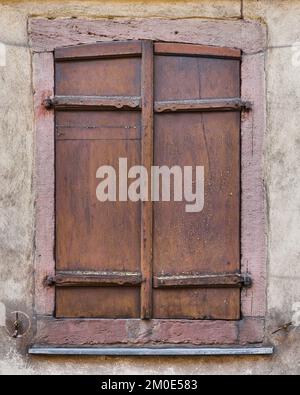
(155, 104)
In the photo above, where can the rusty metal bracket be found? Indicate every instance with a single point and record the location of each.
(18, 324)
(246, 281)
(48, 103)
(246, 106)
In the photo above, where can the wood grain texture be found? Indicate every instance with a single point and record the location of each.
(95, 279)
(102, 77)
(206, 241)
(196, 50)
(199, 281)
(96, 51)
(93, 235)
(98, 302)
(192, 78)
(197, 304)
(96, 102)
(182, 139)
(251, 37)
(200, 105)
(147, 162)
(98, 125)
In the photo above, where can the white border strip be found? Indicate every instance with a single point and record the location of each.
(39, 350)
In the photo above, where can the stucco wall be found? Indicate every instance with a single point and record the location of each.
(282, 172)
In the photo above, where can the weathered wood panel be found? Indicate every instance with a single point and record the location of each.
(104, 302)
(105, 77)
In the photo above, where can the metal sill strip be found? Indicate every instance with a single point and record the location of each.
(235, 351)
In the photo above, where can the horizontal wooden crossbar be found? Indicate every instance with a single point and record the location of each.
(134, 49)
(95, 279)
(94, 102)
(113, 279)
(134, 103)
(234, 104)
(202, 281)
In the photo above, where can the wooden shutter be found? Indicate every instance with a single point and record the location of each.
(155, 104)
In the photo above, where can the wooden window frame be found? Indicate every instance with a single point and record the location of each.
(250, 38)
